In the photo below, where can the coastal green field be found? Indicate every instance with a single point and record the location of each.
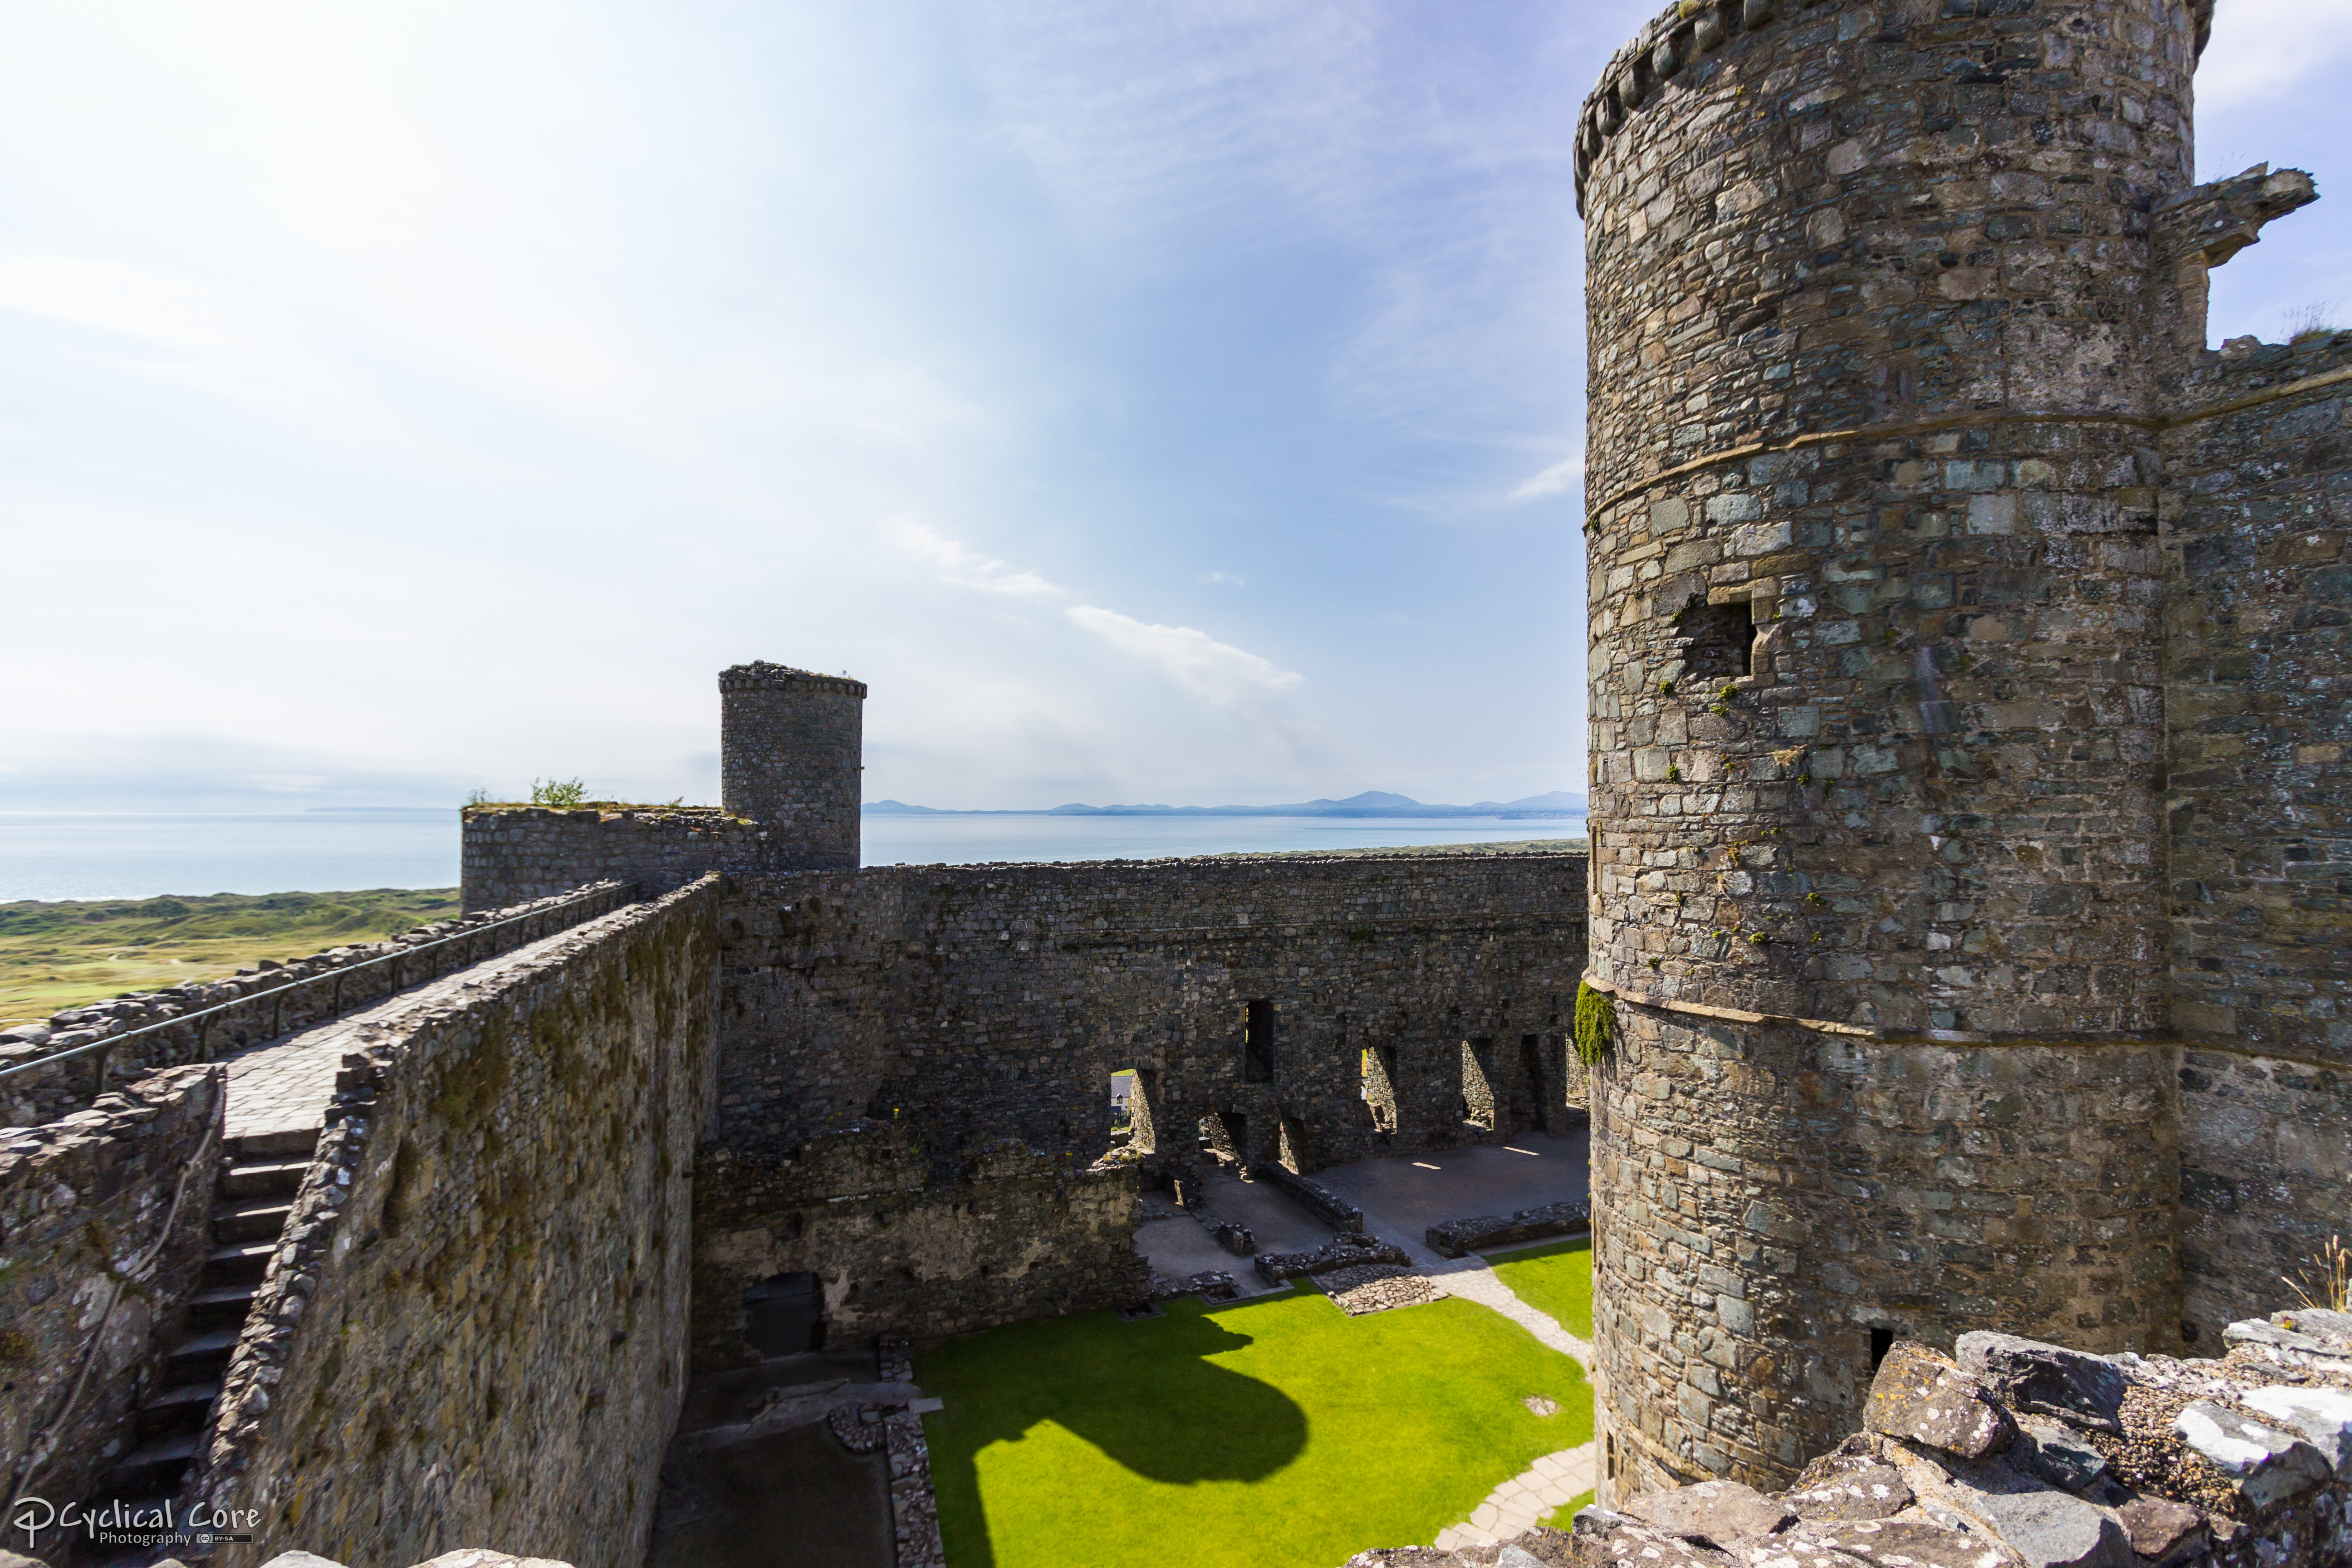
(64, 953)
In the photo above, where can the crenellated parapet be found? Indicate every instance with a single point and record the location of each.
(1683, 36)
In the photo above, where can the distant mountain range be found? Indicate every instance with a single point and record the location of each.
(1371, 802)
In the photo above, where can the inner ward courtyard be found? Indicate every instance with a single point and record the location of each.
(1298, 1412)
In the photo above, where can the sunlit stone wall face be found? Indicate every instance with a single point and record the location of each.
(1876, 700)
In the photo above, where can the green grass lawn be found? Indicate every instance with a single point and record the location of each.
(1566, 1515)
(64, 953)
(1277, 1430)
(1554, 1278)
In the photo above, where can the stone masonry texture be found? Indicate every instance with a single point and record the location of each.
(1968, 893)
(475, 1327)
(1966, 664)
(790, 755)
(2259, 814)
(104, 1222)
(921, 1036)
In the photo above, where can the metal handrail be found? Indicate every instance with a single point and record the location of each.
(107, 1047)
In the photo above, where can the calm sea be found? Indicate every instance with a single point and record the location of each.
(59, 855)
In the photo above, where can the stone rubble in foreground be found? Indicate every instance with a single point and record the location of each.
(2016, 1454)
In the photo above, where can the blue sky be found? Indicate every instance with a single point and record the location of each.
(1178, 402)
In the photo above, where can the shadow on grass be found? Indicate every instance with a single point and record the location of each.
(1181, 1420)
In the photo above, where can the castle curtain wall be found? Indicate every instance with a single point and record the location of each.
(948, 1034)
(2258, 811)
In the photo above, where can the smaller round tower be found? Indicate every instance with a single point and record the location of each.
(790, 757)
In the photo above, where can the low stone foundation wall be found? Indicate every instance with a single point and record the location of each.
(1458, 1238)
(1342, 1215)
(105, 1219)
(474, 1326)
(1018, 1235)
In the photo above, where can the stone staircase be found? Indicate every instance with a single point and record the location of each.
(255, 1192)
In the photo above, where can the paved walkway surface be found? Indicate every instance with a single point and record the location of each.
(1526, 1500)
(279, 1091)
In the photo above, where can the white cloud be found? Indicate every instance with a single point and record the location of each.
(1235, 578)
(969, 569)
(1554, 480)
(1219, 671)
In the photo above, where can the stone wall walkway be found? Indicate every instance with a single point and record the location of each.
(279, 1090)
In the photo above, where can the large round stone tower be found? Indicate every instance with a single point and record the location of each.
(790, 755)
(1875, 703)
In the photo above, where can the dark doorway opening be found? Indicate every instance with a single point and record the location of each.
(1880, 1341)
(784, 1315)
(1532, 1096)
(1257, 1042)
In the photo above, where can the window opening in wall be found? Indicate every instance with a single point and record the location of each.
(1257, 1042)
(1718, 641)
(1122, 1105)
(1610, 1445)
(1478, 1083)
(784, 1315)
(1880, 1341)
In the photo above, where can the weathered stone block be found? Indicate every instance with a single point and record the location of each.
(2045, 1379)
(1712, 1513)
(1920, 1394)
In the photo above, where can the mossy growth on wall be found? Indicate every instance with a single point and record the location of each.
(1596, 1023)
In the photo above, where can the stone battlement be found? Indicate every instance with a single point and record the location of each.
(1681, 38)
(761, 676)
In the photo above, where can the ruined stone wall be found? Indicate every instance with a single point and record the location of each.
(2259, 812)
(998, 1000)
(1015, 1234)
(513, 854)
(1765, 1198)
(475, 1329)
(984, 1008)
(105, 1219)
(1876, 698)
